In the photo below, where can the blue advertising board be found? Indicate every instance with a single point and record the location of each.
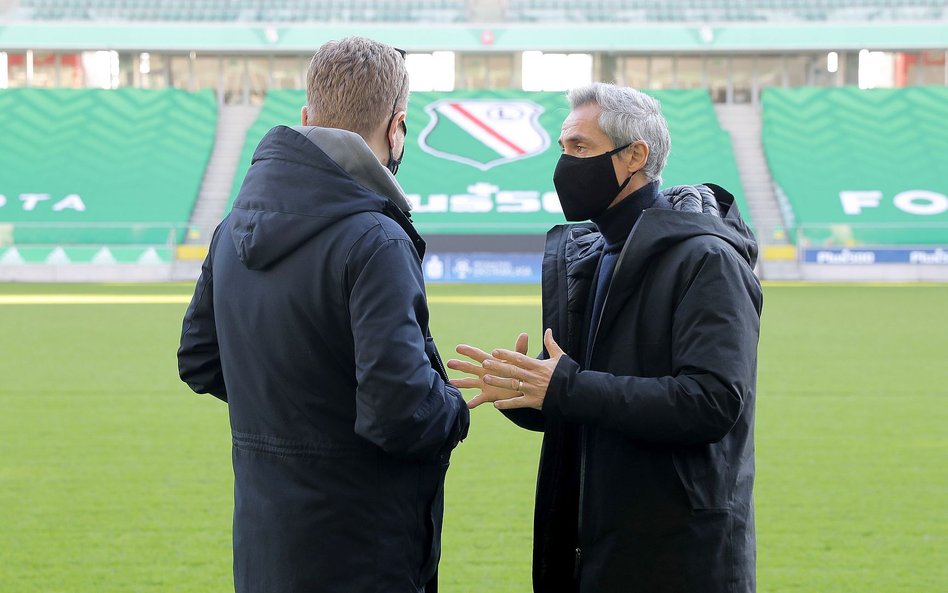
(521, 268)
(860, 257)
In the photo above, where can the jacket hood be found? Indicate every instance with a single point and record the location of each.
(679, 213)
(690, 211)
(683, 216)
(302, 180)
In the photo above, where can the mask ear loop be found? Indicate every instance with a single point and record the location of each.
(394, 163)
(626, 182)
(616, 151)
(629, 178)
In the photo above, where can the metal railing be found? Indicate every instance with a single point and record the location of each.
(894, 234)
(39, 234)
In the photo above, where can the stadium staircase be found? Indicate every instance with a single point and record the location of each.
(280, 107)
(743, 123)
(232, 125)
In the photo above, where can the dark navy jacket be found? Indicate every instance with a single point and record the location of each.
(310, 320)
(647, 466)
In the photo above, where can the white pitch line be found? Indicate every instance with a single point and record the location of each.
(94, 299)
(481, 300)
(177, 299)
(517, 300)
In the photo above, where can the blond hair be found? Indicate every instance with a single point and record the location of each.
(355, 84)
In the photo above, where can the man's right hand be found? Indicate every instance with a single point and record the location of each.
(488, 393)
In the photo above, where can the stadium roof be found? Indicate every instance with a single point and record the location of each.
(627, 37)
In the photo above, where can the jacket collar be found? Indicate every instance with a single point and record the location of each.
(350, 152)
(294, 190)
(657, 230)
(616, 223)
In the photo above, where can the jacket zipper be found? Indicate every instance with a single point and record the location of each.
(441, 369)
(436, 362)
(582, 446)
(582, 494)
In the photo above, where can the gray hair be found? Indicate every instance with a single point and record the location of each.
(628, 116)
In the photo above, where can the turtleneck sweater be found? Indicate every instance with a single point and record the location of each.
(615, 224)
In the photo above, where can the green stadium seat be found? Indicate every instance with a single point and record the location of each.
(825, 144)
(135, 158)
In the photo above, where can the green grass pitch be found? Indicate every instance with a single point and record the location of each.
(115, 478)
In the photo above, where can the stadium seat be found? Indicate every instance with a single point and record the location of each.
(228, 10)
(456, 10)
(112, 166)
(725, 10)
(841, 157)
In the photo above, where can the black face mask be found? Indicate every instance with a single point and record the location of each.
(586, 186)
(393, 162)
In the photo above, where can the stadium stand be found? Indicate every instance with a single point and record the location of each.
(728, 11)
(811, 159)
(701, 149)
(440, 11)
(281, 107)
(246, 10)
(102, 167)
(823, 144)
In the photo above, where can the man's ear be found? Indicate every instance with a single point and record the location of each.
(393, 127)
(304, 112)
(639, 151)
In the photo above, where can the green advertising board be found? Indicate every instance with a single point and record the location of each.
(479, 162)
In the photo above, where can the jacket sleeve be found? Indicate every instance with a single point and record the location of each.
(403, 404)
(199, 356)
(714, 336)
(527, 418)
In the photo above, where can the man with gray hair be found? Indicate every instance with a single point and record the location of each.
(646, 385)
(310, 320)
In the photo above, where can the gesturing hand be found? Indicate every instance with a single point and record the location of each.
(487, 392)
(507, 378)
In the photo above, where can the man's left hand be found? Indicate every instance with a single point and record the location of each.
(488, 393)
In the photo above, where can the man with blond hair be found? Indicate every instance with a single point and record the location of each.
(310, 320)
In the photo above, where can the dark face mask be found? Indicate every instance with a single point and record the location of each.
(393, 162)
(586, 186)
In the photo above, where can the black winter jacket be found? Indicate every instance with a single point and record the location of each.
(647, 464)
(310, 320)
